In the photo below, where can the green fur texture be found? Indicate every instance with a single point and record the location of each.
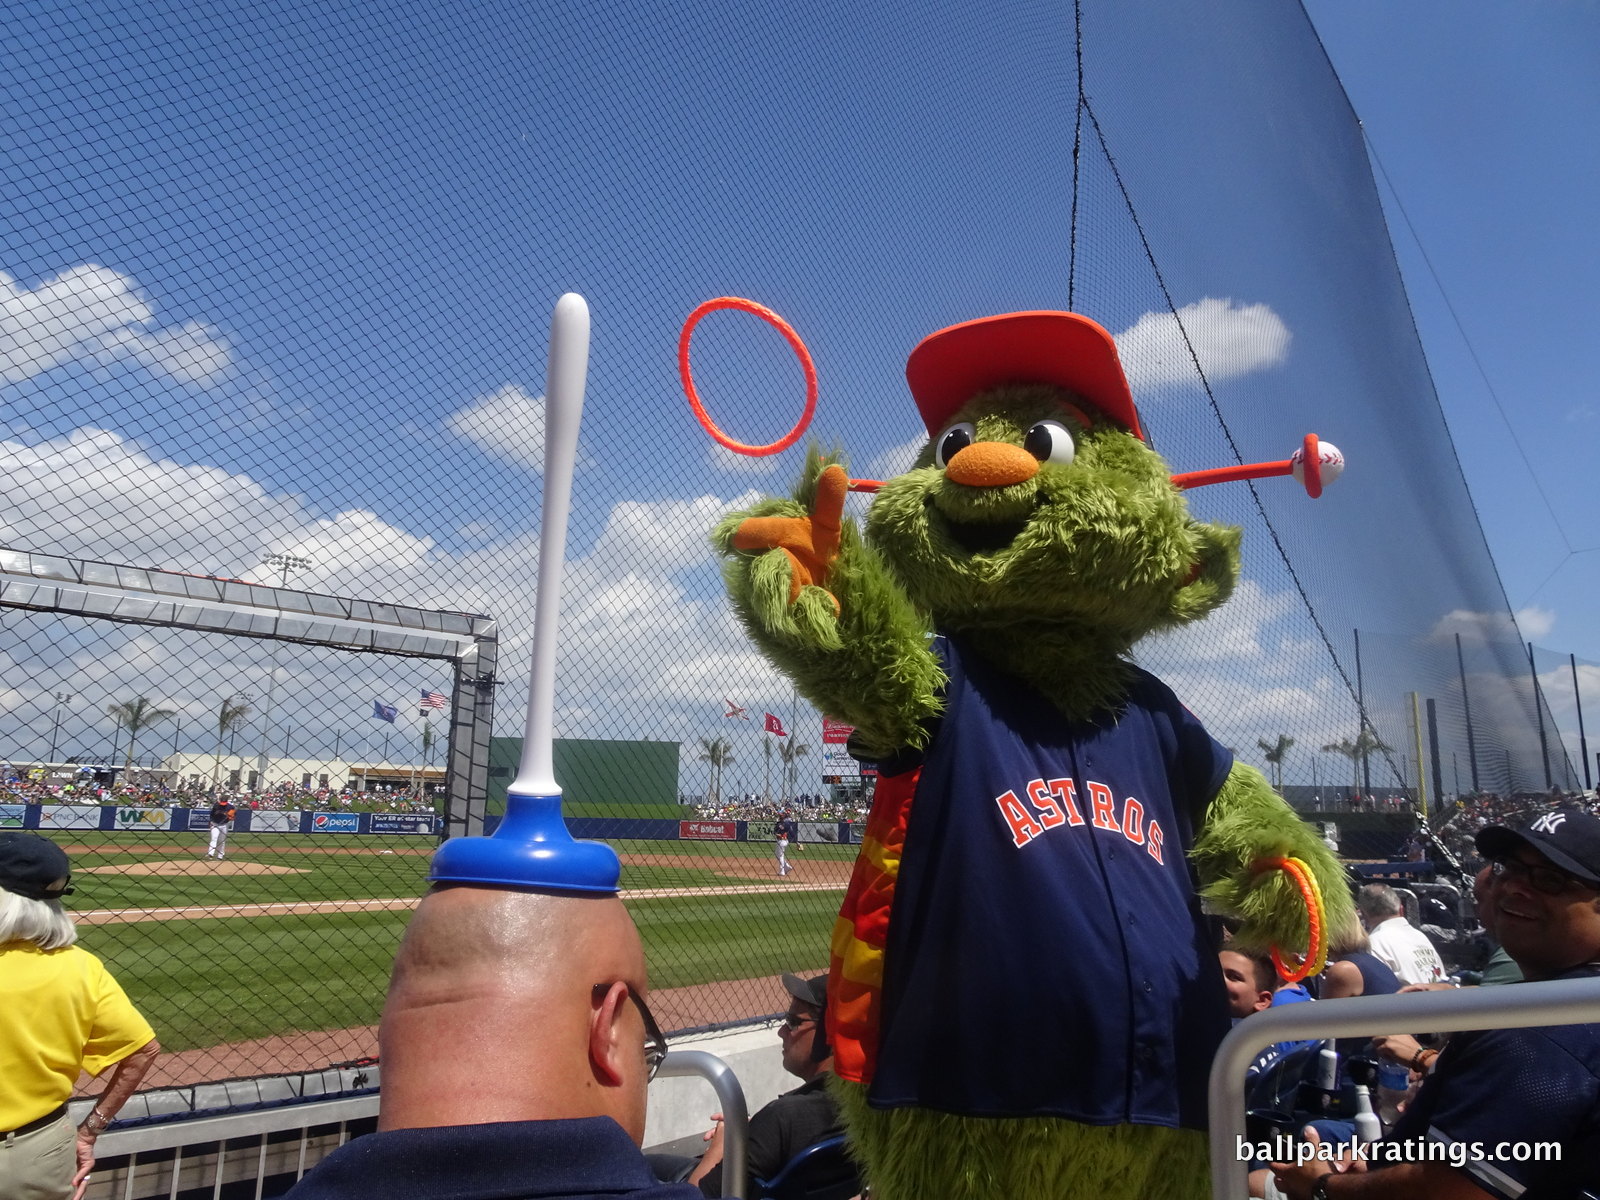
(917, 1154)
(1249, 822)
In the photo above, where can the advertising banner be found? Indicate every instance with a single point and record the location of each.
(69, 817)
(836, 761)
(760, 831)
(11, 816)
(853, 833)
(272, 821)
(326, 822)
(143, 818)
(708, 831)
(819, 831)
(194, 820)
(394, 823)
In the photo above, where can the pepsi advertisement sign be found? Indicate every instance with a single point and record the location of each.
(325, 822)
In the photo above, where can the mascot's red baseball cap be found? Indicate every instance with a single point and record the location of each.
(951, 366)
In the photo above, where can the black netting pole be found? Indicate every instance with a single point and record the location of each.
(1433, 753)
(1538, 712)
(1466, 707)
(1583, 742)
(1361, 711)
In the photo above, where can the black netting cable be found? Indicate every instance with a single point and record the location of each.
(1077, 152)
(1211, 398)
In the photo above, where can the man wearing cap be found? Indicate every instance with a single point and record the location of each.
(796, 1119)
(1507, 1089)
(62, 1013)
(785, 831)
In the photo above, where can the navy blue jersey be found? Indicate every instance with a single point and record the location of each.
(1046, 953)
(1516, 1085)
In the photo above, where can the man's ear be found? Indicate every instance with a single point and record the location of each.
(606, 1039)
(1263, 1001)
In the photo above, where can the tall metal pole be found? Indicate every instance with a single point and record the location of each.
(65, 698)
(1466, 706)
(1416, 737)
(1538, 711)
(1361, 708)
(285, 563)
(1583, 742)
(1433, 751)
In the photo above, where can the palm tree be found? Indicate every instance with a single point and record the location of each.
(719, 753)
(1274, 755)
(134, 715)
(791, 752)
(230, 716)
(1366, 742)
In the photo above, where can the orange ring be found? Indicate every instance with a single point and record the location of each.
(793, 338)
(1317, 951)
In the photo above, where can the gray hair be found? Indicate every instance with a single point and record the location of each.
(42, 922)
(1379, 900)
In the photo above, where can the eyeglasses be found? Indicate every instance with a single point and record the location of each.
(655, 1042)
(792, 1021)
(1550, 880)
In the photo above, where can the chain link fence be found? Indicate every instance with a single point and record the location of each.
(273, 307)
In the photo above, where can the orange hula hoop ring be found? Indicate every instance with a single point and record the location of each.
(1316, 918)
(739, 304)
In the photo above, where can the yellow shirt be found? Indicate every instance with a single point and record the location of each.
(60, 1011)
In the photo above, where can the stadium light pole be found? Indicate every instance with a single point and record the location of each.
(287, 564)
(65, 698)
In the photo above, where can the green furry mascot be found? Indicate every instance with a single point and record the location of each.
(1024, 997)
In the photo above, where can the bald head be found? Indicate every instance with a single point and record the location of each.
(494, 1013)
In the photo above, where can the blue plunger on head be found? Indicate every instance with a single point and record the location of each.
(533, 848)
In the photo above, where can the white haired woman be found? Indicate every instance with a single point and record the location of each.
(63, 1014)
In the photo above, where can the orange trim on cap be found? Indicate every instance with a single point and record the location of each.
(1068, 350)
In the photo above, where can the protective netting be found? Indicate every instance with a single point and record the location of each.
(276, 282)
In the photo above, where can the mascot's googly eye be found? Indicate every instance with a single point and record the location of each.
(952, 441)
(1050, 441)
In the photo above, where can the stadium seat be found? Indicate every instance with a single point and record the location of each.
(822, 1171)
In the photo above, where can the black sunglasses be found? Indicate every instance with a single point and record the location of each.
(792, 1021)
(655, 1042)
(1552, 881)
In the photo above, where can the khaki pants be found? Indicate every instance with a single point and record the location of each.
(39, 1165)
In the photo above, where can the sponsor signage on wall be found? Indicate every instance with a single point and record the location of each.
(69, 817)
(819, 831)
(273, 821)
(325, 822)
(853, 833)
(760, 831)
(390, 823)
(143, 818)
(191, 819)
(837, 765)
(11, 816)
(708, 831)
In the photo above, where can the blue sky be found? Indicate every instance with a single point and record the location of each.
(279, 280)
(1483, 116)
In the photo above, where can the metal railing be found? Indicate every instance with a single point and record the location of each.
(283, 1141)
(1561, 1002)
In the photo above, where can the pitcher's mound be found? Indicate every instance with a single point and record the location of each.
(195, 866)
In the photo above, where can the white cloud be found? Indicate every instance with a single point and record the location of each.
(507, 424)
(720, 458)
(94, 313)
(896, 460)
(1479, 628)
(193, 353)
(1229, 339)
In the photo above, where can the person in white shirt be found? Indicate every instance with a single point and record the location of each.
(1404, 949)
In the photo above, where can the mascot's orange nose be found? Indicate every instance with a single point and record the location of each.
(991, 464)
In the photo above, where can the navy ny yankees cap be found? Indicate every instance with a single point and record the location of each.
(1568, 837)
(33, 866)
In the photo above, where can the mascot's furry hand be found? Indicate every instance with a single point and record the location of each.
(1023, 862)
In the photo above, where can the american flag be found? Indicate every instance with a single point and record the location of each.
(432, 699)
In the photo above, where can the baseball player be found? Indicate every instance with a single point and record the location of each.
(785, 829)
(221, 813)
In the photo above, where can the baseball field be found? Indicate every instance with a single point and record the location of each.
(276, 958)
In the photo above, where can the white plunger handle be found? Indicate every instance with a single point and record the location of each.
(563, 390)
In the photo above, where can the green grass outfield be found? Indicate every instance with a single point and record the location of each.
(219, 979)
(202, 983)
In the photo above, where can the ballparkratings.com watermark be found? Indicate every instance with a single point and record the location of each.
(1285, 1149)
